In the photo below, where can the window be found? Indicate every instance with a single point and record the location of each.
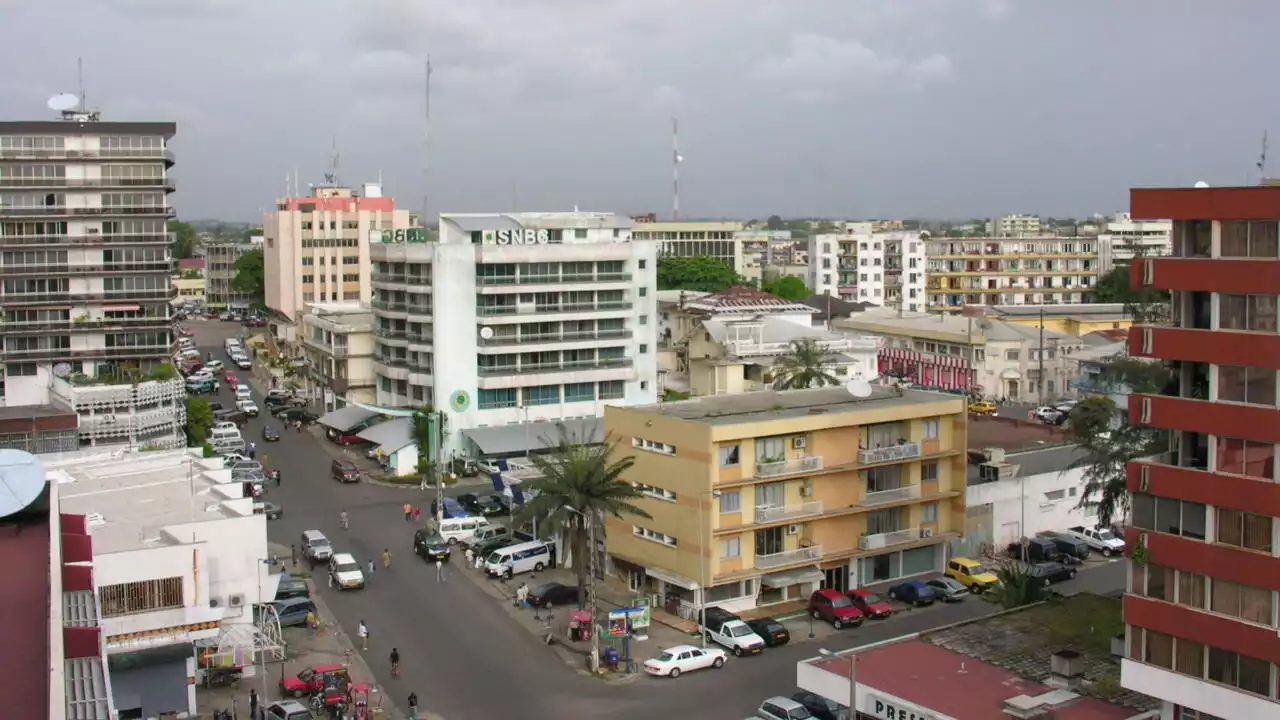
(1240, 671)
(1245, 239)
(929, 512)
(612, 390)
(1158, 649)
(641, 264)
(655, 492)
(139, 597)
(731, 502)
(1054, 495)
(731, 547)
(644, 348)
(1256, 386)
(644, 292)
(1189, 658)
(1167, 515)
(541, 395)
(771, 449)
(929, 472)
(1160, 581)
(1011, 355)
(931, 429)
(651, 446)
(1242, 601)
(729, 455)
(1244, 457)
(653, 535)
(1191, 590)
(1247, 312)
(644, 319)
(1244, 530)
(579, 392)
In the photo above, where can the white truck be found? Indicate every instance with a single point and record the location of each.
(1098, 538)
(725, 628)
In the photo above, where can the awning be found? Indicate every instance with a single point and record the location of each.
(390, 435)
(343, 419)
(793, 577)
(524, 437)
(667, 577)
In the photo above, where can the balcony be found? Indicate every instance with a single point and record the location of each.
(552, 279)
(63, 210)
(99, 324)
(887, 497)
(66, 182)
(606, 364)
(810, 554)
(879, 541)
(809, 463)
(499, 310)
(140, 294)
(389, 306)
(750, 348)
(774, 513)
(418, 309)
(903, 451)
(555, 337)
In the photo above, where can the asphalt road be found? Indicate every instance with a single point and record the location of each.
(465, 658)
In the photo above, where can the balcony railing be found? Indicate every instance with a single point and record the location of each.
(809, 463)
(885, 497)
(556, 337)
(774, 513)
(57, 210)
(65, 182)
(902, 451)
(1103, 387)
(813, 553)
(552, 279)
(750, 348)
(418, 309)
(87, 240)
(393, 362)
(85, 324)
(571, 366)
(388, 306)
(878, 541)
(492, 310)
(64, 153)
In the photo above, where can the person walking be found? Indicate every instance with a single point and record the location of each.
(277, 477)
(372, 566)
(471, 556)
(408, 512)
(395, 662)
(413, 706)
(386, 558)
(343, 518)
(363, 633)
(253, 704)
(293, 554)
(439, 570)
(522, 596)
(417, 514)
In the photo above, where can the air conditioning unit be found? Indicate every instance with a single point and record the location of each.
(926, 532)
(798, 442)
(793, 529)
(236, 600)
(215, 602)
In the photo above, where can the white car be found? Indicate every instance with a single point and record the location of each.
(243, 393)
(243, 363)
(684, 658)
(225, 426)
(248, 407)
(345, 572)
(1046, 414)
(213, 366)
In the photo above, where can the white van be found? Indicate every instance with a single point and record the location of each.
(526, 557)
(461, 530)
(225, 434)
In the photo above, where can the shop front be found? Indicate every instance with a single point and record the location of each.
(898, 564)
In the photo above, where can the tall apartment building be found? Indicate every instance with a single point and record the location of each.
(1010, 271)
(516, 317)
(317, 247)
(714, 239)
(1123, 239)
(883, 268)
(760, 498)
(220, 272)
(1015, 226)
(85, 260)
(1201, 609)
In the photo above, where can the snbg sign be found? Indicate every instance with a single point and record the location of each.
(518, 237)
(407, 235)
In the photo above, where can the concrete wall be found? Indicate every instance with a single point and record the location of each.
(1024, 506)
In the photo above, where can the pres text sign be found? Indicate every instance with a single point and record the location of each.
(878, 707)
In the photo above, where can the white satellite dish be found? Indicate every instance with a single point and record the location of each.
(486, 332)
(22, 479)
(63, 102)
(1202, 184)
(858, 387)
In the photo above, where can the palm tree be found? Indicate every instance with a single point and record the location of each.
(802, 367)
(422, 437)
(578, 480)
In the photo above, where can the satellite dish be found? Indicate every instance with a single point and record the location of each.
(63, 102)
(858, 387)
(62, 370)
(1202, 184)
(486, 332)
(22, 479)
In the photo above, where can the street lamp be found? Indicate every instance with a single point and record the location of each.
(591, 583)
(702, 568)
(261, 641)
(853, 678)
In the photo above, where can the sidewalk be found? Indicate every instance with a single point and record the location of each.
(304, 648)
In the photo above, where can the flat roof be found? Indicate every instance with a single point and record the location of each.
(1013, 434)
(128, 498)
(24, 624)
(753, 407)
(98, 127)
(25, 412)
(1080, 310)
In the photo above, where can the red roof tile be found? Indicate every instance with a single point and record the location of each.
(24, 624)
(947, 682)
(191, 264)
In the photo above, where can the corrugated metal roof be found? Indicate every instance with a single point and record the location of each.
(390, 435)
(523, 437)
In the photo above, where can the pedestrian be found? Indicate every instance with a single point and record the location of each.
(439, 570)
(408, 512)
(253, 704)
(372, 566)
(434, 509)
(413, 706)
(363, 633)
(386, 558)
(395, 662)
(293, 554)
(277, 476)
(216, 386)
(417, 514)
(311, 621)
(331, 580)
(471, 556)
(479, 562)
(522, 595)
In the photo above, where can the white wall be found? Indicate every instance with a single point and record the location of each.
(1018, 500)
(873, 702)
(1179, 689)
(28, 389)
(234, 548)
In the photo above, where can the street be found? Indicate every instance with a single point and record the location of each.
(464, 657)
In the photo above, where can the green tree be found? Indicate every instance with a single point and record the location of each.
(701, 274)
(802, 367)
(250, 233)
(185, 239)
(1017, 588)
(577, 479)
(787, 287)
(199, 421)
(250, 274)
(1108, 452)
(420, 428)
(775, 223)
(1145, 305)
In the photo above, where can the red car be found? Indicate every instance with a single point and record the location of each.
(834, 607)
(230, 379)
(871, 604)
(338, 438)
(313, 679)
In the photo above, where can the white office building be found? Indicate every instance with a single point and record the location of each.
(516, 318)
(1124, 238)
(885, 268)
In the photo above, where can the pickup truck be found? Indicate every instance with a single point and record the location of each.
(724, 628)
(1100, 539)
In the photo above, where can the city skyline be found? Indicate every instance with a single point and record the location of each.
(924, 109)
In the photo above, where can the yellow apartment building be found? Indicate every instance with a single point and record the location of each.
(1002, 271)
(763, 497)
(1078, 320)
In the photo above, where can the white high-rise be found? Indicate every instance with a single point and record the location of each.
(885, 269)
(1125, 238)
(519, 317)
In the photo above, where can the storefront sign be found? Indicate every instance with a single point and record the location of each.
(405, 235)
(518, 237)
(640, 613)
(878, 707)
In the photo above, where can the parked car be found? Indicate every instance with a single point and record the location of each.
(311, 679)
(971, 573)
(346, 572)
(870, 604)
(1033, 550)
(338, 438)
(553, 594)
(949, 589)
(725, 628)
(488, 546)
(270, 509)
(344, 471)
(821, 708)
(270, 434)
(1047, 414)
(248, 407)
(237, 416)
(470, 503)
(773, 632)
(782, 708)
(913, 592)
(1070, 549)
(494, 505)
(1049, 573)
(983, 407)
(287, 710)
(431, 546)
(291, 587)
(834, 607)
(682, 659)
(1100, 539)
(292, 612)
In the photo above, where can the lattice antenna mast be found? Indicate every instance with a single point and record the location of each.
(426, 147)
(1262, 158)
(676, 159)
(331, 177)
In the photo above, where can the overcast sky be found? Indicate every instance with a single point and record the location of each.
(833, 108)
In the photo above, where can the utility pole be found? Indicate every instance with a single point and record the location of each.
(675, 169)
(426, 149)
(1040, 371)
(591, 589)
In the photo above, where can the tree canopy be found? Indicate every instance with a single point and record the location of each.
(185, 239)
(199, 421)
(787, 287)
(1114, 288)
(1108, 452)
(802, 367)
(250, 275)
(700, 274)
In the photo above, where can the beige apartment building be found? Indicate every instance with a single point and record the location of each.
(338, 345)
(761, 498)
(317, 248)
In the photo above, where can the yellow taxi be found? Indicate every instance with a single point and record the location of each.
(983, 407)
(971, 573)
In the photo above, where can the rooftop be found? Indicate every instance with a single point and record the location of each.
(1013, 434)
(478, 222)
(969, 671)
(129, 498)
(1106, 337)
(24, 624)
(743, 300)
(1081, 311)
(1035, 462)
(958, 328)
(765, 405)
(833, 307)
(771, 330)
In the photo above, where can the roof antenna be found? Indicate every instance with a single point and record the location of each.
(331, 177)
(1262, 157)
(84, 101)
(426, 146)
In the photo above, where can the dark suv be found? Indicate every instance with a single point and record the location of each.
(430, 545)
(345, 471)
